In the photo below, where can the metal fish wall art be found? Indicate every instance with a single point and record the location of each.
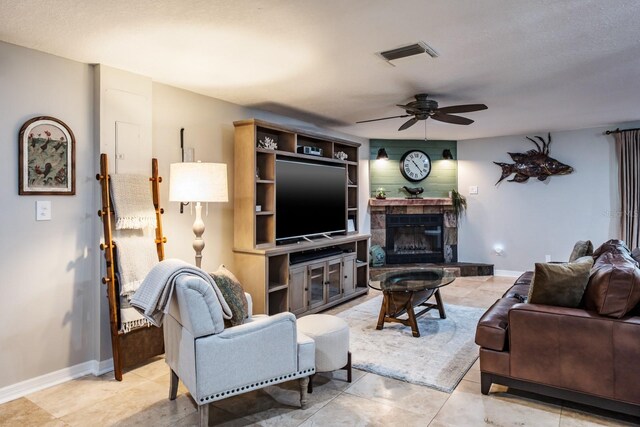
(533, 163)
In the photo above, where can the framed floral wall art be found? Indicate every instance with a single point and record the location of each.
(47, 158)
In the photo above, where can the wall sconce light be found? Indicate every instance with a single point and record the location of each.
(446, 154)
(382, 154)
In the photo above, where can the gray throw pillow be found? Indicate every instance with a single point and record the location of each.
(636, 254)
(560, 285)
(233, 294)
(580, 249)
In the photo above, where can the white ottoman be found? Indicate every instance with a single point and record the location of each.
(331, 335)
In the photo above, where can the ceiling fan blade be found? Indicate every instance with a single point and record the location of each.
(448, 118)
(383, 118)
(408, 124)
(468, 108)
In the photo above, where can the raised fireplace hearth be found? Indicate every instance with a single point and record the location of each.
(414, 238)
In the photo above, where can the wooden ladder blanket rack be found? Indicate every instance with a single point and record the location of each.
(137, 345)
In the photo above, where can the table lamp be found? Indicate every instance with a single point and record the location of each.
(199, 183)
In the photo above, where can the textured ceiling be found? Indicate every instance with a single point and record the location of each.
(538, 65)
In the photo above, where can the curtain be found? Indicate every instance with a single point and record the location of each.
(628, 148)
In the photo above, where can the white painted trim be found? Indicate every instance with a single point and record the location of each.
(507, 273)
(102, 367)
(32, 385)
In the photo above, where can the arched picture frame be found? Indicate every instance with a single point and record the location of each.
(47, 158)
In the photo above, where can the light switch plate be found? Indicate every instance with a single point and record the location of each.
(43, 210)
(473, 189)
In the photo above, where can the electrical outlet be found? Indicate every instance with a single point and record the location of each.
(473, 189)
(547, 258)
(43, 210)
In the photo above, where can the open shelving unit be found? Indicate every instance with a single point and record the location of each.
(275, 283)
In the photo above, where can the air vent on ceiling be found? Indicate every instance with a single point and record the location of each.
(409, 50)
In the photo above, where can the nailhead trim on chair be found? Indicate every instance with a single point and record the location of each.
(255, 386)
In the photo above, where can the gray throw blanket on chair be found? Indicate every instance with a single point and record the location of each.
(153, 295)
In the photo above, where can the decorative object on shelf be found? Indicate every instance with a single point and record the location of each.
(47, 157)
(351, 226)
(382, 154)
(533, 163)
(258, 174)
(258, 208)
(341, 155)
(459, 203)
(200, 183)
(446, 154)
(270, 142)
(381, 193)
(350, 182)
(377, 256)
(415, 165)
(309, 150)
(414, 192)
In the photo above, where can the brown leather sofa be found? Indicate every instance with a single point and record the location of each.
(575, 354)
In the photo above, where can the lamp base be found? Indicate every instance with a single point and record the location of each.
(198, 230)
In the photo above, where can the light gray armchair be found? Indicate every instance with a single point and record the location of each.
(215, 363)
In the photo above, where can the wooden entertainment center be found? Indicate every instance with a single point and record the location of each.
(305, 276)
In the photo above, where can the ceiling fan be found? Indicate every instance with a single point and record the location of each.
(423, 108)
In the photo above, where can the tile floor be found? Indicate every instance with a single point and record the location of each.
(141, 398)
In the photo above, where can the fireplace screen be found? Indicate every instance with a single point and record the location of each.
(414, 238)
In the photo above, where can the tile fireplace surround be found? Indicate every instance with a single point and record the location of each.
(380, 208)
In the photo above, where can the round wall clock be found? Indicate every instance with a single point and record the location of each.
(415, 165)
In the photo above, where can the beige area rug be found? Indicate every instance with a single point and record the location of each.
(439, 358)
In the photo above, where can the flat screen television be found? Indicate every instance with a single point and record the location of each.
(310, 199)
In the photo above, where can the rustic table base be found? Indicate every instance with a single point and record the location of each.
(395, 304)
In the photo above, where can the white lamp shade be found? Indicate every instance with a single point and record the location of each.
(198, 182)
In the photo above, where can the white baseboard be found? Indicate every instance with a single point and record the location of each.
(507, 273)
(32, 385)
(101, 368)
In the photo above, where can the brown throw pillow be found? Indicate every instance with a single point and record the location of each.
(614, 285)
(580, 249)
(233, 294)
(560, 285)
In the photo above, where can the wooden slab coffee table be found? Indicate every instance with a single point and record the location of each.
(404, 290)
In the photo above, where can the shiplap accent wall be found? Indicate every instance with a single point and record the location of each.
(442, 179)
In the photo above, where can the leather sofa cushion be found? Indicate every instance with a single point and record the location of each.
(612, 246)
(525, 278)
(493, 325)
(560, 285)
(614, 286)
(517, 291)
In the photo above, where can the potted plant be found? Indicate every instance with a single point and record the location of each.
(381, 193)
(459, 203)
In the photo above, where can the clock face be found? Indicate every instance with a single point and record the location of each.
(415, 165)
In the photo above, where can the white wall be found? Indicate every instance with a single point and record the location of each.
(536, 218)
(49, 276)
